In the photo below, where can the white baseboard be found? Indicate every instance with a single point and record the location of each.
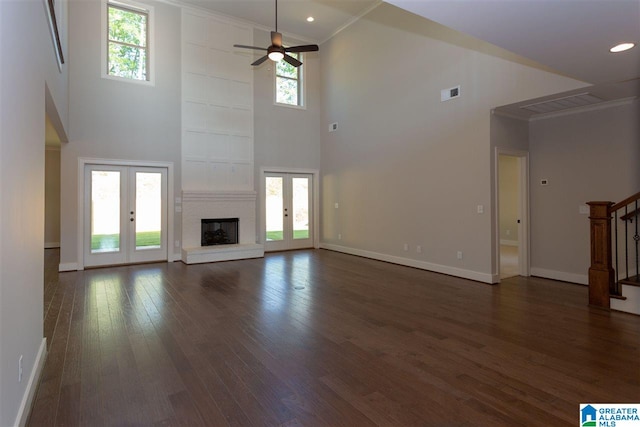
(582, 279)
(68, 266)
(51, 245)
(32, 385)
(423, 265)
(508, 242)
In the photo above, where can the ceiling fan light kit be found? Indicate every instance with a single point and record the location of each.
(276, 52)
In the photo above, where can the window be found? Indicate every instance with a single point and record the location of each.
(127, 35)
(289, 83)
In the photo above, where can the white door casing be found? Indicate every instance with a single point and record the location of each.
(130, 251)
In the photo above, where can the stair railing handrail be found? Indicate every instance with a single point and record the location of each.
(603, 280)
(624, 203)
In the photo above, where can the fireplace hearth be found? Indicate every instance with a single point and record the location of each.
(219, 231)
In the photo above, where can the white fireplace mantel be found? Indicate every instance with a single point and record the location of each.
(198, 205)
(218, 196)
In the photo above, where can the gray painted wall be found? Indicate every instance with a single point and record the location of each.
(286, 137)
(403, 166)
(28, 63)
(119, 120)
(588, 156)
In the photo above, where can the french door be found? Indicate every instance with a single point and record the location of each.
(125, 215)
(288, 211)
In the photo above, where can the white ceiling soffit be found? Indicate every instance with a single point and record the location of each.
(563, 103)
(570, 36)
(330, 16)
(578, 100)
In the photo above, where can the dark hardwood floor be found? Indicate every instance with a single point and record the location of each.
(322, 338)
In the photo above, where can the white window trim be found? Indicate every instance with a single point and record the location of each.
(150, 41)
(302, 81)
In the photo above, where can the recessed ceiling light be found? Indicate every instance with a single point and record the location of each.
(310, 19)
(622, 47)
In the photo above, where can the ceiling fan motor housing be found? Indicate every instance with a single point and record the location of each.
(274, 48)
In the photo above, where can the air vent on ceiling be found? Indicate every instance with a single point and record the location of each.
(564, 103)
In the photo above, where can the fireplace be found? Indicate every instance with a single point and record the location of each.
(219, 231)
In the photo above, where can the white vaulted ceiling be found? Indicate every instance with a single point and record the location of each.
(330, 15)
(570, 36)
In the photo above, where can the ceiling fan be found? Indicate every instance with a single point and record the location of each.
(276, 51)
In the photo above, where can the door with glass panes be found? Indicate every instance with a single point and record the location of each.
(125, 215)
(288, 211)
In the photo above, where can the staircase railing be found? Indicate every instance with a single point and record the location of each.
(614, 236)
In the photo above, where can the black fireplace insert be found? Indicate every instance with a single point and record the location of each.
(219, 231)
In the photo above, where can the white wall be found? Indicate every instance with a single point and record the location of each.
(217, 107)
(118, 120)
(52, 198)
(403, 166)
(588, 156)
(27, 62)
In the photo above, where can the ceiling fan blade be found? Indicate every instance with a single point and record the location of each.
(260, 61)
(276, 38)
(303, 48)
(249, 47)
(291, 60)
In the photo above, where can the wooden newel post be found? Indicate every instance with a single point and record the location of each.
(601, 275)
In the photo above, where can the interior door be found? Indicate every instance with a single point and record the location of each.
(288, 211)
(125, 215)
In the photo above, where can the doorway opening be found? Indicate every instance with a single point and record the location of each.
(512, 214)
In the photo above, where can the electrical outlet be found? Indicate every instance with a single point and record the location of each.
(459, 254)
(419, 249)
(20, 369)
(336, 205)
(508, 232)
(339, 236)
(480, 209)
(406, 247)
(333, 127)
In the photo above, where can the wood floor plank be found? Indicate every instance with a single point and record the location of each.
(318, 338)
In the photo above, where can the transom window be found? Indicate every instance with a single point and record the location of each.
(289, 83)
(127, 41)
